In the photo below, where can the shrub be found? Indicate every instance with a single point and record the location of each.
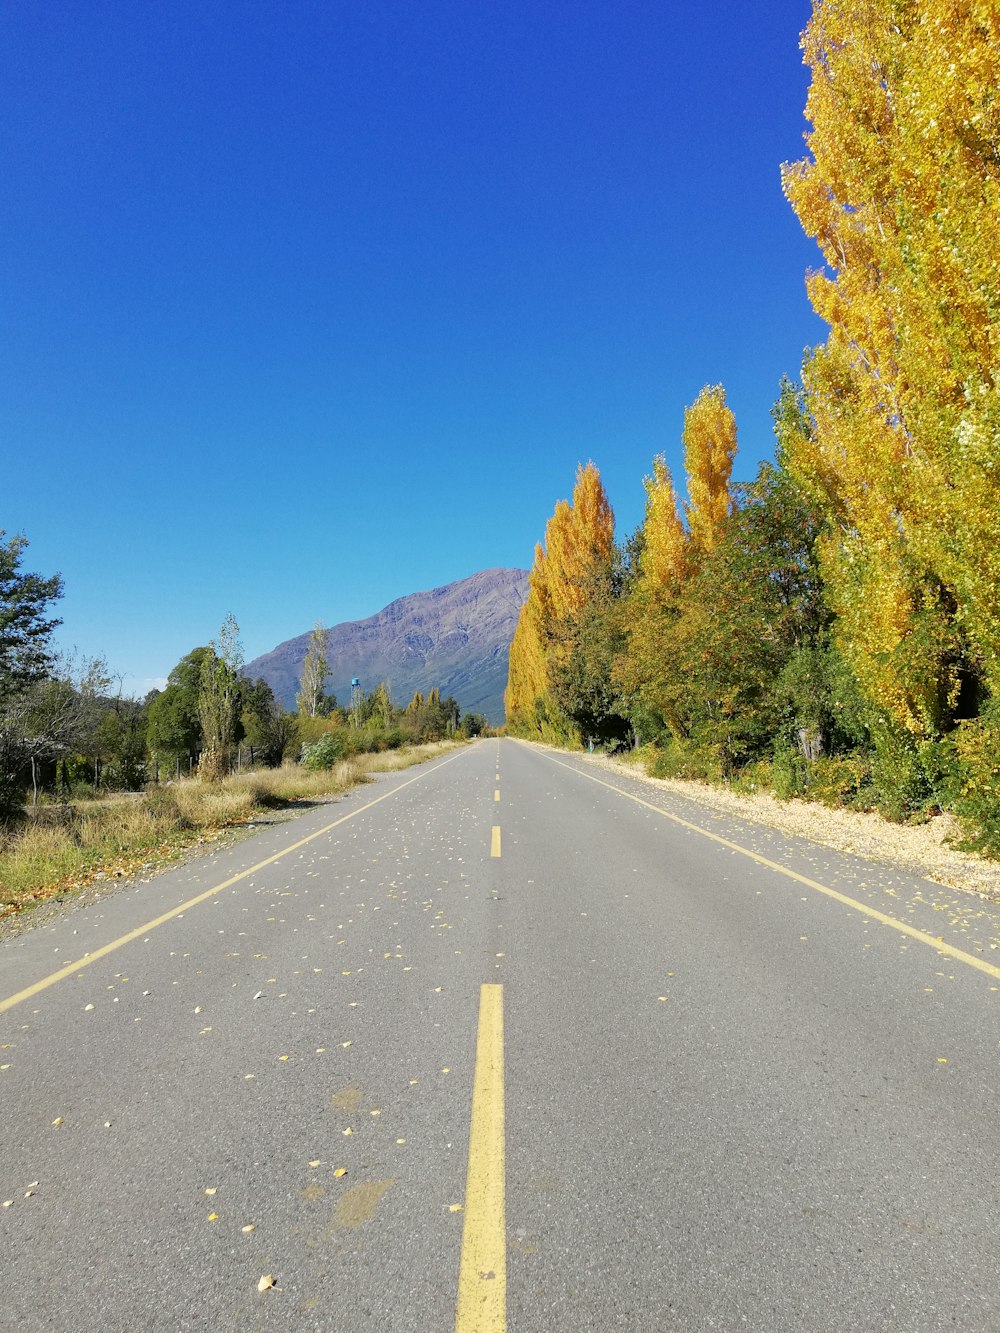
(322, 753)
(840, 781)
(969, 765)
(789, 771)
(902, 789)
(680, 759)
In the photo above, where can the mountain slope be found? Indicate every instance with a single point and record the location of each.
(456, 638)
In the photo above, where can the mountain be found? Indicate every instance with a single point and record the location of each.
(455, 638)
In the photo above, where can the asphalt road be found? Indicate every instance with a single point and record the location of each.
(505, 1041)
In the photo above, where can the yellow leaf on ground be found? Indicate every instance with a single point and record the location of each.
(267, 1282)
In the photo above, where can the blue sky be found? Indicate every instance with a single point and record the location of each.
(307, 306)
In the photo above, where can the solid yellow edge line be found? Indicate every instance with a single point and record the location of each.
(482, 1275)
(20, 996)
(948, 949)
(495, 841)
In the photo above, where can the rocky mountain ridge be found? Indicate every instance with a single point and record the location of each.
(455, 638)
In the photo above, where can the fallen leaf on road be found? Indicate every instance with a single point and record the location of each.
(455, 1208)
(248, 1228)
(348, 1131)
(213, 1217)
(340, 1172)
(267, 1282)
(315, 1163)
(212, 1189)
(58, 1121)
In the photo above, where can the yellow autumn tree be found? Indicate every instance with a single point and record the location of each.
(901, 190)
(709, 450)
(579, 539)
(655, 612)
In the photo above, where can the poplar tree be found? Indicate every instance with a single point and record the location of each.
(219, 701)
(310, 697)
(901, 190)
(709, 450)
(579, 542)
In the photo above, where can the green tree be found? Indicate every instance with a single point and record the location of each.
(219, 701)
(25, 625)
(173, 725)
(267, 728)
(582, 677)
(311, 699)
(25, 659)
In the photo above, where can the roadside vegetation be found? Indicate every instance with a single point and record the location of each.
(59, 848)
(96, 785)
(829, 630)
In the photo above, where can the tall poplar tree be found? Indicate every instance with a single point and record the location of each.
(219, 701)
(901, 190)
(311, 696)
(579, 542)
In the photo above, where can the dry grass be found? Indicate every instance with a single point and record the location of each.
(121, 836)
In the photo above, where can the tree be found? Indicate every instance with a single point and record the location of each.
(709, 450)
(25, 626)
(311, 699)
(267, 728)
(902, 193)
(219, 700)
(173, 724)
(579, 541)
(25, 660)
(671, 556)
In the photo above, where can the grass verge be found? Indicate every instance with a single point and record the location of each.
(64, 849)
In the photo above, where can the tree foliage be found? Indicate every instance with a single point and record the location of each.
(901, 190)
(219, 701)
(579, 548)
(311, 698)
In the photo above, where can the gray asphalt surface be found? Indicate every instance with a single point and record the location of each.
(732, 1102)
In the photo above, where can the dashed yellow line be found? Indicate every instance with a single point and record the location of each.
(934, 942)
(20, 996)
(495, 841)
(496, 794)
(482, 1275)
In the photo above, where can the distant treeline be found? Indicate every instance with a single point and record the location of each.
(65, 730)
(833, 627)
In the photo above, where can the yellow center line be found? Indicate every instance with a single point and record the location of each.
(495, 841)
(482, 1274)
(20, 996)
(933, 941)
(496, 795)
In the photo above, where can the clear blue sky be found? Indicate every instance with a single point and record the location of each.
(307, 306)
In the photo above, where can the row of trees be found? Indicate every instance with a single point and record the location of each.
(66, 725)
(833, 626)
